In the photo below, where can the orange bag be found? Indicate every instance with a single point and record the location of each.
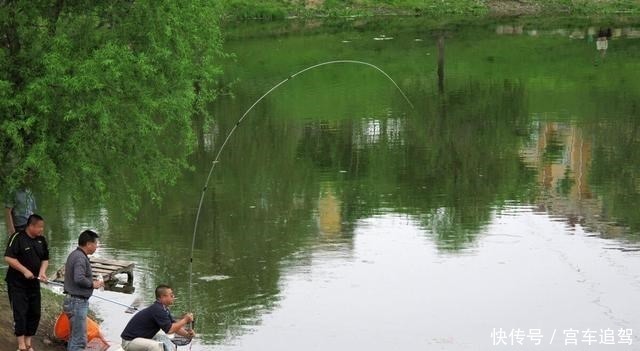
(62, 329)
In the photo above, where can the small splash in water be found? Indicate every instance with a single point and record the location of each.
(211, 278)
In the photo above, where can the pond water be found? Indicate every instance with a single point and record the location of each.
(499, 212)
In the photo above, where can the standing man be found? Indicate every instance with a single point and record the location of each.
(142, 333)
(18, 206)
(78, 287)
(27, 255)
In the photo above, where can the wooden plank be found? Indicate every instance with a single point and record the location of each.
(107, 268)
(111, 262)
(110, 266)
(101, 271)
(113, 268)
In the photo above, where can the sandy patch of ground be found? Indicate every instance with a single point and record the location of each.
(512, 8)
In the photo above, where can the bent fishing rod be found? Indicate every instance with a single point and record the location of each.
(129, 307)
(216, 159)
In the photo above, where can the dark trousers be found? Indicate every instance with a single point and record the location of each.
(25, 303)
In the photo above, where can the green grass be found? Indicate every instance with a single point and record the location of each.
(589, 7)
(280, 9)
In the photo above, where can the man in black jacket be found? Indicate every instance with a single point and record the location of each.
(27, 255)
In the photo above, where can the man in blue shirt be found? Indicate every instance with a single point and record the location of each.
(140, 334)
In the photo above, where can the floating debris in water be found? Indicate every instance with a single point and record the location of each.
(443, 340)
(215, 277)
(382, 37)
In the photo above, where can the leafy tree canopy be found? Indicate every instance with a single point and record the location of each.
(100, 95)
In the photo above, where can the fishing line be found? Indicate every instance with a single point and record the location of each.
(129, 307)
(216, 159)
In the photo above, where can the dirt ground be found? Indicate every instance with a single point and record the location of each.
(512, 8)
(496, 7)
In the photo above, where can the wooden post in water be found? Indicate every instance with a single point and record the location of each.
(440, 44)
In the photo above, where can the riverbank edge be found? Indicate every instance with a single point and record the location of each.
(44, 339)
(242, 10)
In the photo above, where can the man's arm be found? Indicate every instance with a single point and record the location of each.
(178, 326)
(43, 271)
(15, 264)
(184, 332)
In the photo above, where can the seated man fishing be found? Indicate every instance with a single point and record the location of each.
(147, 330)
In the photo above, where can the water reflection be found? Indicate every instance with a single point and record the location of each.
(562, 155)
(329, 212)
(406, 294)
(573, 33)
(341, 218)
(488, 160)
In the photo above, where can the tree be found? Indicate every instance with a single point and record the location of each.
(97, 96)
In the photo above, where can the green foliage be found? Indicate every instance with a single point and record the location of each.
(100, 97)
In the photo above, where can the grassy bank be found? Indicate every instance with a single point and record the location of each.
(281, 9)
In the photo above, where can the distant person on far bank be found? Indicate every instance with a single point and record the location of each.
(147, 329)
(602, 43)
(27, 255)
(78, 287)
